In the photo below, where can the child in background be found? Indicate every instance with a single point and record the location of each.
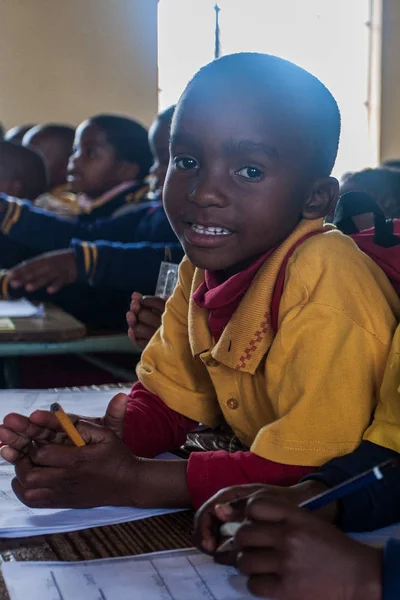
(22, 174)
(16, 134)
(254, 139)
(55, 143)
(104, 264)
(110, 160)
(383, 185)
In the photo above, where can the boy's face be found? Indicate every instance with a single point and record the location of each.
(159, 146)
(93, 167)
(236, 182)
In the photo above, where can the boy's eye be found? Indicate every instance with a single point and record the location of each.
(250, 173)
(186, 163)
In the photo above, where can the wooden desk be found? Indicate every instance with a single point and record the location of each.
(55, 326)
(167, 532)
(59, 333)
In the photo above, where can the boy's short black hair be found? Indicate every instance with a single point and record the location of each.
(374, 180)
(310, 99)
(25, 165)
(16, 134)
(64, 133)
(128, 138)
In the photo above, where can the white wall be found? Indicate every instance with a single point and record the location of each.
(63, 60)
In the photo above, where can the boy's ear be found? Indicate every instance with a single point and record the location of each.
(322, 199)
(129, 171)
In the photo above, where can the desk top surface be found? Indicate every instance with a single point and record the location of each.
(55, 326)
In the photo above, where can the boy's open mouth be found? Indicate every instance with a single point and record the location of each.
(209, 230)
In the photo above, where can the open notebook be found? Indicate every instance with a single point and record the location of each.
(16, 519)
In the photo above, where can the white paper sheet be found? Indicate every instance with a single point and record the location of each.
(19, 308)
(16, 519)
(182, 575)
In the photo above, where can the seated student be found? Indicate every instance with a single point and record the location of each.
(393, 163)
(22, 174)
(16, 134)
(246, 183)
(382, 184)
(291, 554)
(55, 143)
(104, 264)
(108, 151)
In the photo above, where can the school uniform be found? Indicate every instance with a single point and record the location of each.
(297, 398)
(377, 505)
(44, 231)
(37, 231)
(59, 200)
(108, 273)
(123, 266)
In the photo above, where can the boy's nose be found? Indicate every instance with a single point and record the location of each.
(73, 162)
(206, 191)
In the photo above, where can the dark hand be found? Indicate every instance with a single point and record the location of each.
(53, 271)
(102, 473)
(290, 554)
(18, 431)
(144, 318)
(229, 505)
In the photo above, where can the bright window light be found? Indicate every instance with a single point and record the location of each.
(329, 38)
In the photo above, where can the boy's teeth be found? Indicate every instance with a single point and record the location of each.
(210, 230)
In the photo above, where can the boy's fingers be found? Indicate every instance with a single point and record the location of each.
(31, 476)
(34, 498)
(132, 337)
(259, 535)
(23, 426)
(154, 303)
(143, 332)
(131, 319)
(48, 421)
(13, 439)
(58, 283)
(235, 508)
(115, 414)
(206, 531)
(149, 319)
(10, 454)
(264, 586)
(258, 561)
(264, 507)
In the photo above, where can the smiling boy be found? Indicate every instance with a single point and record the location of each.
(254, 139)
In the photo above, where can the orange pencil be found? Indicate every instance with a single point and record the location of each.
(67, 425)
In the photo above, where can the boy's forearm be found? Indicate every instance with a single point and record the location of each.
(161, 484)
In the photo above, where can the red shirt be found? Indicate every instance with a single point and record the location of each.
(151, 427)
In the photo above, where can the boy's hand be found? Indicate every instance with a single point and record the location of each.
(144, 318)
(53, 271)
(18, 431)
(291, 554)
(102, 473)
(229, 505)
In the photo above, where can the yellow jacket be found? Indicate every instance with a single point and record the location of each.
(385, 428)
(305, 395)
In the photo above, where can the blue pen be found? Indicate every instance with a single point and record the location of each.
(351, 485)
(341, 490)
